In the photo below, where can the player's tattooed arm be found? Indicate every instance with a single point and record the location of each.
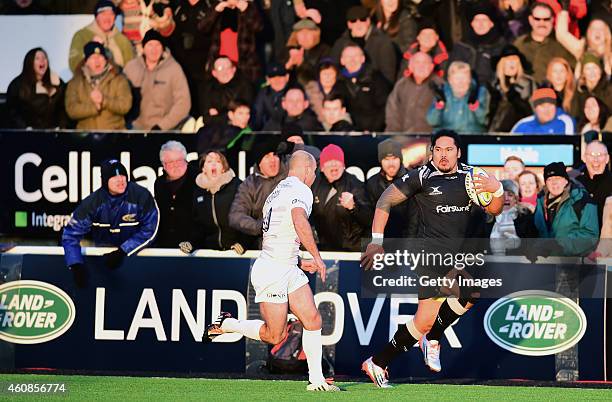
(391, 197)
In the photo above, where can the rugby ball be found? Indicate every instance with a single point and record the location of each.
(482, 199)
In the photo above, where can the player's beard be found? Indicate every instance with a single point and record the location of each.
(447, 169)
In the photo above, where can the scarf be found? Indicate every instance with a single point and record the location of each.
(213, 185)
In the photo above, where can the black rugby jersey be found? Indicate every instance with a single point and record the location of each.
(444, 205)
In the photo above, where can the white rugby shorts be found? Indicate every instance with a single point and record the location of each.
(274, 281)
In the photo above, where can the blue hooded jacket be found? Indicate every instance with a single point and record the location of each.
(562, 123)
(129, 221)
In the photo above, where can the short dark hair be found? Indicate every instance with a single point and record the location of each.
(236, 103)
(334, 96)
(445, 133)
(514, 158)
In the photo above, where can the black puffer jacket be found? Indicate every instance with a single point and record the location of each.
(478, 51)
(367, 98)
(211, 208)
(214, 95)
(338, 228)
(246, 211)
(174, 211)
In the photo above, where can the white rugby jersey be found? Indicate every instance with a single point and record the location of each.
(280, 240)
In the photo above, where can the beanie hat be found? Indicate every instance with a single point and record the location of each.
(111, 168)
(510, 185)
(482, 7)
(152, 34)
(543, 95)
(555, 169)
(104, 5)
(389, 147)
(357, 13)
(94, 47)
(591, 58)
(331, 152)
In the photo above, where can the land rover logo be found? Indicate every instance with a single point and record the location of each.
(34, 312)
(535, 323)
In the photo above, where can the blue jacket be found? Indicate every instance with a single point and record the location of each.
(563, 123)
(129, 221)
(456, 114)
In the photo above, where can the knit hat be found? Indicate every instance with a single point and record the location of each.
(426, 23)
(357, 13)
(389, 147)
(275, 70)
(104, 5)
(543, 95)
(152, 34)
(555, 169)
(591, 58)
(305, 23)
(331, 152)
(94, 47)
(111, 168)
(482, 7)
(510, 185)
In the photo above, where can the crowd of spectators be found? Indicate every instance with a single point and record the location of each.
(474, 66)
(479, 69)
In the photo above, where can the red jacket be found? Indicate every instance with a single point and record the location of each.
(577, 10)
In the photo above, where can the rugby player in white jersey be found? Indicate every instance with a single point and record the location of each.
(278, 280)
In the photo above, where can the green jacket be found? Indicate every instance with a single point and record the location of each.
(117, 101)
(575, 226)
(118, 45)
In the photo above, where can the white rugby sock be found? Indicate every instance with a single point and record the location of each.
(248, 328)
(313, 349)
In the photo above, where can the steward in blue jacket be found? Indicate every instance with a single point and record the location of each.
(120, 213)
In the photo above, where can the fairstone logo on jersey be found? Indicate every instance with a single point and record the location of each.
(448, 209)
(535, 323)
(34, 312)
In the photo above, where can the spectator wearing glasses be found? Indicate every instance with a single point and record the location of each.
(597, 178)
(174, 193)
(375, 43)
(539, 46)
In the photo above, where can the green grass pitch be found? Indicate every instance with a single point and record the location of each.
(99, 388)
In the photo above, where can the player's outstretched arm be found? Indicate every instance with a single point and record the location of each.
(390, 197)
(304, 232)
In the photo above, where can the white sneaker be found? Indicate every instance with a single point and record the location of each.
(431, 353)
(322, 387)
(378, 375)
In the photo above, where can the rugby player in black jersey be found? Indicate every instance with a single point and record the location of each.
(444, 208)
